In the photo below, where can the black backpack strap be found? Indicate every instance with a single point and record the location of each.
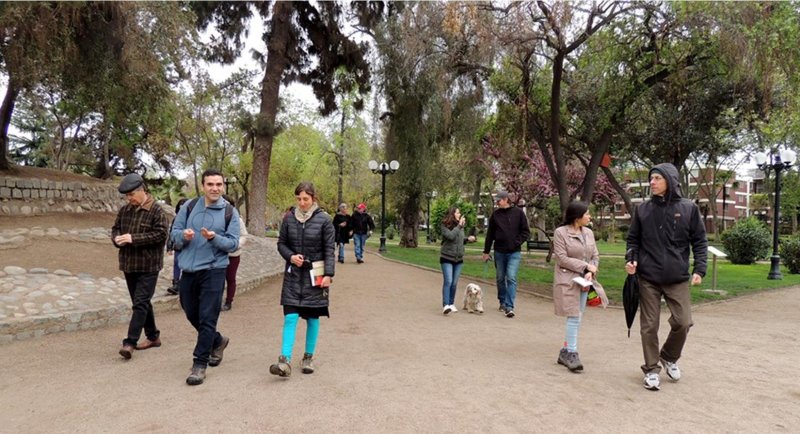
(228, 212)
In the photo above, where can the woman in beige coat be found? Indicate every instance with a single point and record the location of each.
(576, 256)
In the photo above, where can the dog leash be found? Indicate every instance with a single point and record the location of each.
(486, 268)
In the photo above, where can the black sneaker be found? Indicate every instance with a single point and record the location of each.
(226, 306)
(216, 353)
(341, 261)
(509, 313)
(360, 261)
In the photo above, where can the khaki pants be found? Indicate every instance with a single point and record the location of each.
(680, 307)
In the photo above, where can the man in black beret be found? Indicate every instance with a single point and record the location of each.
(140, 231)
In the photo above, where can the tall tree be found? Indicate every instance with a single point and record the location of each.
(305, 44)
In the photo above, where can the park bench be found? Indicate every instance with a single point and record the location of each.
(541, 245)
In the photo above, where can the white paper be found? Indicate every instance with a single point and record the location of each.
(582, 282)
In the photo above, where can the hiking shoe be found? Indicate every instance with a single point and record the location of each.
(226, 307)
(574, 362)
(216, 354)
(673, 371)
(651, 381)
(509, 313)
(447, 309)
(562, 356)
(282, 368)
(308, 363)
(197, 376)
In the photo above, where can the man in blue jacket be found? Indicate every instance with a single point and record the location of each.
(205, 235)
(662, 230)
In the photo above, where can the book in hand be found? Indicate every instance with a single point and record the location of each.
(582, 282)
(317, 272)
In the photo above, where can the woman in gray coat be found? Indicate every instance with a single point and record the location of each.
(451, 257)
(576, 256)
(306, 242)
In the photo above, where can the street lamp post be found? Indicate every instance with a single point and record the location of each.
(777, 162)
(383, 169)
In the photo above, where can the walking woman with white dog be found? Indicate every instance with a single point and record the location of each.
(306, 242)
(576, 256)
(451, 256)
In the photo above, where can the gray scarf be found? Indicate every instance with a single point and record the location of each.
(303, 216)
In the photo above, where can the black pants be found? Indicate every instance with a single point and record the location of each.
(141, 287)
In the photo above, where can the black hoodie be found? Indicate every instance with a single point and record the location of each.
(663, 229)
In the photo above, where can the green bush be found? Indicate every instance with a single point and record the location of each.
(747, 242)
(390, 232)
(439, 208)
(790, 254)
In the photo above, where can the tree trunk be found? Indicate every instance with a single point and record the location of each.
(6, 110)
(409, 222)
(555, 134)
(265, 124)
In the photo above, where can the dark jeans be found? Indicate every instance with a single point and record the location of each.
(201, 295)
(230, 277)
(141, 287)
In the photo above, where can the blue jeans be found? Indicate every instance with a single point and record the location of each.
(507, 265)
(359, 240)
(450, 272)
(341, 252)
(201, 297)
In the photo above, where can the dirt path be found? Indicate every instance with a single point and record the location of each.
(388, 361)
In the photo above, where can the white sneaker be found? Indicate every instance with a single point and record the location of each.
(453, 308)
(673, 371)
(651, 381)
(447, 309)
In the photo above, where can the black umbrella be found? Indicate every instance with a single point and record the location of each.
(630, 295)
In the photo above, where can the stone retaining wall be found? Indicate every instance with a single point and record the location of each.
(33, 196)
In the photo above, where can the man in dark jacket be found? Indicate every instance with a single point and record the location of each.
(363, 225)
(662, 230)
(341, 222)
(508, 230)
(140, 232)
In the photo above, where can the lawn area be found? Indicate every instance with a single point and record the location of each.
(537, 275)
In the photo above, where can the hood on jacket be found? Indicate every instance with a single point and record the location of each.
(671, 175)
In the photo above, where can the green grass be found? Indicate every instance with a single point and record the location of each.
(537, 275)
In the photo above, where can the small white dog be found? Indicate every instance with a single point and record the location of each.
(473, 298)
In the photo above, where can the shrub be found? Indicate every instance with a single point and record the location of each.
(390, 232)
(439, 208)
(747, 242)
(790, 254)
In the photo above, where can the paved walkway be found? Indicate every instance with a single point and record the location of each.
(388, 361)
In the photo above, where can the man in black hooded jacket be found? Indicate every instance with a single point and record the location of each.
(661, 233)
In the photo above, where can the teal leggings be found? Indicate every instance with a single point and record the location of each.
(289, 328)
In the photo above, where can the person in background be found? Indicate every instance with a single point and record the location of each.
(233, 262)
(342, 224)
(139, 233)
(451, 256)
(205, 237)
(176, 269)
(363, 225)
(576, 256)
(306, 241)
(662, 230)
(508, 230)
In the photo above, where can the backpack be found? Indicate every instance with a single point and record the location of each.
(189, 207)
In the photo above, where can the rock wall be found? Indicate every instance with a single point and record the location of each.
(33, 196)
